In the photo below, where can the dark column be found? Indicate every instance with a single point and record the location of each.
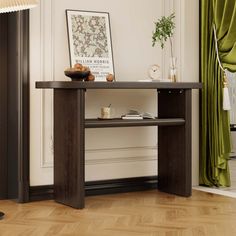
(22, 19)
(174, 143)
(3, 104)
(69, 147)
(14, 106)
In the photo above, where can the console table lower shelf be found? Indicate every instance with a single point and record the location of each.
(174, 135)
(95, 123)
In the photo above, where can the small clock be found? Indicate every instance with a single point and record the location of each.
(154, 72)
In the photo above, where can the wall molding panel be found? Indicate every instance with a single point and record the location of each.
(116, 155)
(47, 25)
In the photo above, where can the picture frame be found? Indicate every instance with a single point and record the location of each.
(90, 43)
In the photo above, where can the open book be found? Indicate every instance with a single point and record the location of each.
(135, 115)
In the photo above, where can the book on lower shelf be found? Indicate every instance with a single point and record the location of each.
(147, 115)
(135, 115)
(127, 117)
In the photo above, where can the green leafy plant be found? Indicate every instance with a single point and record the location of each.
(164, 29)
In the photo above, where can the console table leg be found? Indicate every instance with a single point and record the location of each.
(69, 147)
(174, 143)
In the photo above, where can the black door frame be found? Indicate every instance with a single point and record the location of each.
(15, 81)
(23, 105)
(3, 106)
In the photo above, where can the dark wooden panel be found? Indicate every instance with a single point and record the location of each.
(116, 85)
(46, 192)
(3, 104)
(174, 144)
(120, 185)
(23, 105)
(40, 193)
(69, 147)
(96, 123)
(18, 106)
(13, 81)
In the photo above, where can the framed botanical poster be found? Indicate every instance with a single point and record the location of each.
(90, 41)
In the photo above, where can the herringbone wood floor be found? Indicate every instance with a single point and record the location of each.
(130, 214)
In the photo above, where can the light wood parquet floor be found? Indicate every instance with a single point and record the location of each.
(150, 213)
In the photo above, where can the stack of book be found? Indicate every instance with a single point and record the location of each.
(131, 117)
(135, 115)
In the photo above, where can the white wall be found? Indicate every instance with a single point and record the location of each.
(117, 152)
(190, 70)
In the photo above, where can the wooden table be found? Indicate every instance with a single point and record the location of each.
(174, 135)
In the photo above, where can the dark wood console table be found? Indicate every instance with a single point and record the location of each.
(174, 135)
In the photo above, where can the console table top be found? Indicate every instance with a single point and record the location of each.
(116, 85)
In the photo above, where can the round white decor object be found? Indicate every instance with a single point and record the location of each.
(154, 72)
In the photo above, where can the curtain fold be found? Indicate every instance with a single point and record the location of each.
(215, 133)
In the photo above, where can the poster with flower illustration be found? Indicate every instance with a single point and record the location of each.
(90, 41)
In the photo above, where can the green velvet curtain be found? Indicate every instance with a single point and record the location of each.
(215, 125)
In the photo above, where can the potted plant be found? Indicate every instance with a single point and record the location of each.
(164, 30)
